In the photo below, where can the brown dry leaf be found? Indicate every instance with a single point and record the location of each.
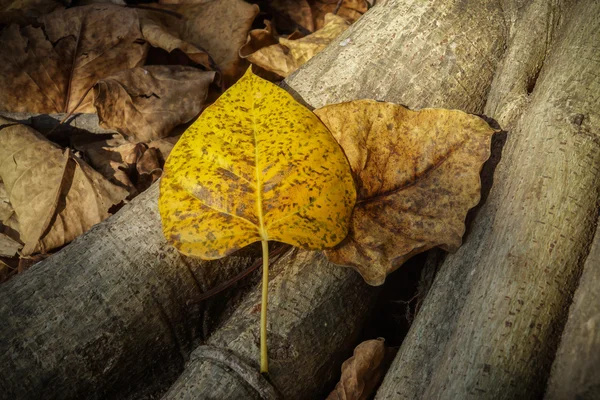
(8, 245)
(123, 162)
(258, 39)
(24, 12)
(351, 10)
(146, 103)
(217, 27)
(362, 373)
(6, 210)
(297, 11)
(417, 176)
(287, 56)
(155, 34)
(56, 196)
(49, 69)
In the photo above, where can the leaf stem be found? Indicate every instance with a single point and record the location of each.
(264, 358)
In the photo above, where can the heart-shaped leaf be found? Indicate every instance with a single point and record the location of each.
(417, 175)
(256, 165)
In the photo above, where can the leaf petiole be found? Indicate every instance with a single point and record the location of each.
(264, 359)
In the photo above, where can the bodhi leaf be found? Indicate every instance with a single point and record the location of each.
(417, 176)
(255, 166)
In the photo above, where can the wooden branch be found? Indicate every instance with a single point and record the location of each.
(110, 314)
(575, 371)
(491, 323)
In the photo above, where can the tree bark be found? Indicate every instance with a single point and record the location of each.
(108, 315)
(576, 369)
(490, 324)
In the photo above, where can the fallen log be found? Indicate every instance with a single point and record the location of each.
(490, 324)
(109, 314)
(575, 371)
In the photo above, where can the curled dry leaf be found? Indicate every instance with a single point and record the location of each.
(56, 196)
(146, 103)
(362, 373)
(123, 163)
(217, 27)
(24, 12)
(50, 69)
(351, 10)
(153, 29)
(8, 245)
(287, 56)
(292, 14)
(6, 210)
(417, 174)
(257, 39)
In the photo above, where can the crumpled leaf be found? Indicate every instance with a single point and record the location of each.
(56, 196)
(124, 163)
(6, 210)
(8, 245)
(146, 103)
(255, 166)
(217, 27)
(156, 35)
(417, 174)
(297, 11)
(287, 56)
(49, 69)
(25, 12)
(363, 372)
(351, 10)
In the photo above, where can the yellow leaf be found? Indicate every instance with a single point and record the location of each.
(256, 165)
(417, 177)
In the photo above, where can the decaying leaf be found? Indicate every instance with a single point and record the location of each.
(8, 245)
(6, 210)
(417, 174)
(153, 29)
(258, 39)
(146, 103)
(298, 12)
(287, 56)
(255, 166)
(351, 10)
(218, 27)
(24, 12)
(123, 163)
(49, 69)
(56, 196)
(362, 373)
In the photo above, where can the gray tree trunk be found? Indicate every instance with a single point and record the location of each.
(108, 315)
(576, 369)
(490, 324)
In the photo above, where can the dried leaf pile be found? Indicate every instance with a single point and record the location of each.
(145, 72)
